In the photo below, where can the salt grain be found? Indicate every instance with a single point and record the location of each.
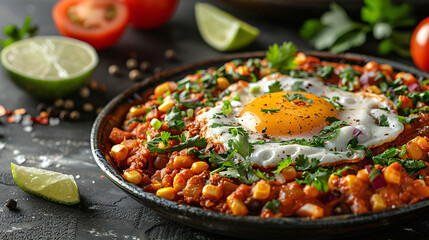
(46, 162)
(26, 120)
(2, 145)
(16, 152)
(20, 159)
(18, 118)
(77, 176)
(54, 121)
(27, 128)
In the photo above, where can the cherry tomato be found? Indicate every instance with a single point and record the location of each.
(419, 45)
(100, 23)
(149, 14)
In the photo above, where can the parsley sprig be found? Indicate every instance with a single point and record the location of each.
(281, 57)
(14, 33)
(337, 32)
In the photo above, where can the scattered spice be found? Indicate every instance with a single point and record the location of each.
(41, 107)
(11, 204)
(102, 88)
(131, 63)
(134, 74)
(69, 104)
(59, 102)
(113, 70)
(145, 66)
(74, 115)
(85, 92)
(52, 111)
(88, 107)
(20, 111)
(170, 54)
(93, 85)
(64, 114)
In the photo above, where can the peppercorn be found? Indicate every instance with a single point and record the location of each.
(51, 111)
(74, 115)
(41, 107)
(131, 63)
(69, 104)
(144, 66)
(59, 102)
(134, 74)
(113, 70)
(84, 92)
(99, 109)
(64, 114)
(102, 88)
(93, 85)
(88, 107)
(170, 54)
(11, 204)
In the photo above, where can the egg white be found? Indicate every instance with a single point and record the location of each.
(359, 111)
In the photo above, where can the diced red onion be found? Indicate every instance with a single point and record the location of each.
(190, 100)
(364, 79)
(413, 87)
(378, 182)
(375, 151)
(327, 197)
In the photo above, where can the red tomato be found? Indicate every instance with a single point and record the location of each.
(100, 23)
(419, 45)
(149, 14)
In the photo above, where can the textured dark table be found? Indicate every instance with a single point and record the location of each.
(105, 211)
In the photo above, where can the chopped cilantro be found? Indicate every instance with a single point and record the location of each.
(334, 102)
(281, 58)
(174, 119)
(297, 96)
(383, 121)
(196, 141)
(303, 163)
(349, 78)
(264, 175)
(325, 72)
(270, 110)
(272, 205)
(407, 119)
(254, 90)
(226, 108)
(296, 87)
(275, 87)
(284, 163)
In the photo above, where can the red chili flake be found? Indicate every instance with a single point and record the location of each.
(44, 114)
(102, 176)
(9, 112)
(2, 111)
(44, 120)
(299, 103)
(37, 119)
(10, 119)
(20, 111)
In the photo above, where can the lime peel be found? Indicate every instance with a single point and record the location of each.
(53, 186)
(221, 30)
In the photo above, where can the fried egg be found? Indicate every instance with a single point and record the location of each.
(289, 114)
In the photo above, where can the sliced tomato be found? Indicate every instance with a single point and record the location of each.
(149, 14)
(100, 23)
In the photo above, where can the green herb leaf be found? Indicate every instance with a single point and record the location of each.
(281, 58)
(303, 163)
(296, 87)
(264, 175)
(272, 205)
(196, 141)
(407, 119)
(270, 110)
(297, 96)
(15, 34)
(284, 163)
(383, 121)
(349, 78)
(275, 87)
(174, 119)
(226, 108)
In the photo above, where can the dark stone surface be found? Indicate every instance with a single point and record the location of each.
(105, 211)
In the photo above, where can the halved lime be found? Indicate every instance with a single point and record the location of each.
(49, 66)
(53, 186)
(221, 30)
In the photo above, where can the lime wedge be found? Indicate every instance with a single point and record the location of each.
(221, 30)
(49, 66)
(53, 186)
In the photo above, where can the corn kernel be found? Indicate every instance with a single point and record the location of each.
(407, 78)
(167, 193)
(156, 185)
(222, 83)
(371, 66)
(300, 58)
(229, 66)
(377, 202)
(363, 175)
(212, 192)
(261, 190)
(392, 175)
(165, 87)
(242, 70)
(179, 182)
(133, 176)
(183, 162)
(289, 173)
(199, 167)
(311, 191)
(237, 206)
(331, 182)
(386, 67)
(166, 105)
(264, 72)
(354, 183)
(119, 152)
(310, 210)
(137, 111)
(373, 89)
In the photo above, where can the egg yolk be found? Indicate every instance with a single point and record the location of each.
(287, 114)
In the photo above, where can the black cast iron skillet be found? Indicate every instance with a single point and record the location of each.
(239, 226)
